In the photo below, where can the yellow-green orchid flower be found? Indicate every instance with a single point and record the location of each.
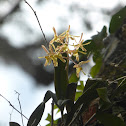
(52, 56)
(57, 51)
(79, 67)
(81, 44)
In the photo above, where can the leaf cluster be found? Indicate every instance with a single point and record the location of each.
(108, 99)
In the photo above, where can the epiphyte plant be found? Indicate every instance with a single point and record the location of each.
(60, 54)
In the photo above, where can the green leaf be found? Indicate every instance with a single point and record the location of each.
(102, 92)
(55, 122)
(61, 79)
(109, 119)
(95, 48)
(100, 36)
(71, 91)
(62, 103)
(81, 86)
(120, 88)
(117, 20)
(96, 44)
(38, 112)
(73, 78)
(70, 94)
(13, 124)
(78, 94)
(96, 68)
(55, 107)
(58, 110)
(36, 115)
(85, 99)
(79, 91)
(48, 118)
(90, 82)
(49, 95)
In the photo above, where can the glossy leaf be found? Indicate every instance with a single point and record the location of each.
(36, 115)
(102, 92)
(13, 124)
(109, 119)
(117, 20)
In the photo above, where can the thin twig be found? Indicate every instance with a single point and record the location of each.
(20, 107)
(52, 112)
(122, 82)
(118, 79)
(37, 20)
(14, 107)
(11, 114)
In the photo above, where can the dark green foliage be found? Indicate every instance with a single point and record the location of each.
(73, 78)
(13, 124)
(36, 115)
(117, 20)
(121, 88)
(38, 112)
(49, 95)
(81, 86)
(102, 92)
(71, 91)
(109, 119)
(70, 94)
(85, 99)
(79, 90)
(96, 68)
(97, 46)
(61, 79)
(49, 119)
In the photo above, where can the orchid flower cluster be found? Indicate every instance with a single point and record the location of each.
(60, 45)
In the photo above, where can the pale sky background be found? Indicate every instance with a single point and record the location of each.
(12, 77)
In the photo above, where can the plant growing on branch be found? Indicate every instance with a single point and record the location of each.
(85, 105)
